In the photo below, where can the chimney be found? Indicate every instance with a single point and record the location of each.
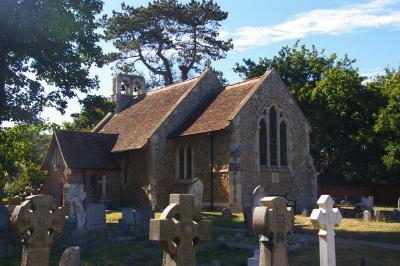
(126, 89)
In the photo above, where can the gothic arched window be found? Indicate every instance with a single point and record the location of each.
(273, 143)
(185, 162)
(283, 144)
(262, 141)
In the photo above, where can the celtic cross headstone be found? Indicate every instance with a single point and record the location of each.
(325, 218)
(38, 219)
(180, 230)
(273, 221)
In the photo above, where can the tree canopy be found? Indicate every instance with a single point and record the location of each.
(48, 41)
(342, 107)
(166, 37)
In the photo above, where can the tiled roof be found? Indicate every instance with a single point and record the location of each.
(136, 124)
(217, 114)
(86, 149)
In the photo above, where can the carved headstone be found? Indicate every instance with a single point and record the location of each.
(258, 194)
(95, 216)
(273, 221)
(128, 216)
(4, 217)
(71, 257)
(142, 221)
(378, 215)
(196, 189)
(325, 218)
(74, 196)
(367, 216)
(37, 220)
(367, 203)
(180, 230)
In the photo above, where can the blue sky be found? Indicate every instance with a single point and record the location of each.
(368, 31)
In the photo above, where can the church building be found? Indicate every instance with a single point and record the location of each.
(231, 137)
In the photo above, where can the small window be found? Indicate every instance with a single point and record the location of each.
(283, 144)
(185, 162)
(262, 141)
(273, 145)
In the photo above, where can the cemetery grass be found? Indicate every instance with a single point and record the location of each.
(355, 229)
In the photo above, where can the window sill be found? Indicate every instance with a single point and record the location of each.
(274, 168)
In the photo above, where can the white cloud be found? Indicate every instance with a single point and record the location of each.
(374, 14)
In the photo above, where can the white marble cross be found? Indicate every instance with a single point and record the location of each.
(325, 218)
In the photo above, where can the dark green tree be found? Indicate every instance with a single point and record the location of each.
(94, 108)
(340, 107)
(46, 41)
(166, 37)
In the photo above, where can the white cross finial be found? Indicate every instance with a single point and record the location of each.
(325, 218)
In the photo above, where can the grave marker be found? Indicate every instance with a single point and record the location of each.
(96, 216)
(196, 189)
(367, 216)
(74, 196)
(180, 230)
(273, 221)
(325, 218)
(37, 220)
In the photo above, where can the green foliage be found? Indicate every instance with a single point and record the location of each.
(22, 148)
(340, 106)
(52, 41)
(94, 108)
(166, 36)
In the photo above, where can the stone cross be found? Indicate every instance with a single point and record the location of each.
(180, 230)
(325, 218)
(38, 219)
(273, 221)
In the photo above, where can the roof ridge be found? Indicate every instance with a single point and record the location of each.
(84, 132)
(174, 84)
(243, 81)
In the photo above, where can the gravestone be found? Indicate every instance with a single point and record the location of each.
(398, 204)
(4, 217)
(180, 230)
(95, 216)
(196, 189)
(378, 215)
(367, 216)
(273, 221)
(74, 196)
(38, 220)
(258, 194)
(367, 203)
(128, 216)
(325, 218)
(71, 257)
(142, 221)
(226, 214)
(395, 215)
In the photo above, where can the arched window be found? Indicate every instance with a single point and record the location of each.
(283, 144)
(189, 162)
(181, 163)
(273, 145)
(262, 141)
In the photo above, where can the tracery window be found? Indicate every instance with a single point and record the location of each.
(273, 143)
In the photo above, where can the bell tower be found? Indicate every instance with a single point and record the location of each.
(126, 88)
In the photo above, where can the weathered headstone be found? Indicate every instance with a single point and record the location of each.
(367, 203)
(378, 215)
(226, 214)
(367, 216)
(180, 230)
(74, 196)
(95, 216)
(258, 194)
(325, 218)
(142, 221)
(196, 189)
(71, 257)
(4, 217)
(273, 221)
(37, 220)
(128, 216)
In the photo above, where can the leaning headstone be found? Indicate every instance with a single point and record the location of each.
(180, 230)
(196, 189)
(38, 220)
(325, 218)
(95, 216)
(367, 216)
(226, 214)
(142, 221)
(255, 260)
(367, 203)
(378, 215)
(74, 196)
(71, 257)
(128, 216)
(273, 221)
(4, 217)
